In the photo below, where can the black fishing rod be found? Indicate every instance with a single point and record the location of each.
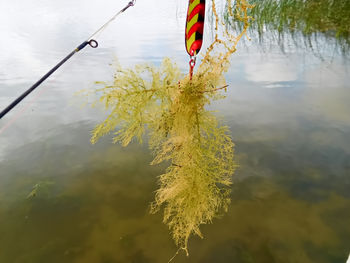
(91, 42)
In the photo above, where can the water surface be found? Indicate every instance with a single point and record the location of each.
(288, 113)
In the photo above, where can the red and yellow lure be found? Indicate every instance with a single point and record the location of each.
(195, 26)
(194, 29)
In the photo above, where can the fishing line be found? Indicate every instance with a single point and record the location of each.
(90, 41)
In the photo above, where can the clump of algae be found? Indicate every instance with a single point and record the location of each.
(196, 186)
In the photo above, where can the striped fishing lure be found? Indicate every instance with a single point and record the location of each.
(194, 26)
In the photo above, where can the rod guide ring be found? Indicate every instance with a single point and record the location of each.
(93, 43)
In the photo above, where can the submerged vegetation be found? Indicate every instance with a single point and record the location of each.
(171, 107)
(310, 18)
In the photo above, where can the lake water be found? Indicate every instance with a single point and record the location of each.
(288, 112)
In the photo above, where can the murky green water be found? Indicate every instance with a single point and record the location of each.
(64, 200)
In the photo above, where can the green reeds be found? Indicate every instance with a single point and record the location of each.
(309, 18)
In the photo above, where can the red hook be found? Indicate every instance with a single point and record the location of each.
(192, 64)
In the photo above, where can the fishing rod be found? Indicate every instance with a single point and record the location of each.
(90, 41)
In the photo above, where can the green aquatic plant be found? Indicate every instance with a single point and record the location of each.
(182, 132)
(195, 186)
(40, 187)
